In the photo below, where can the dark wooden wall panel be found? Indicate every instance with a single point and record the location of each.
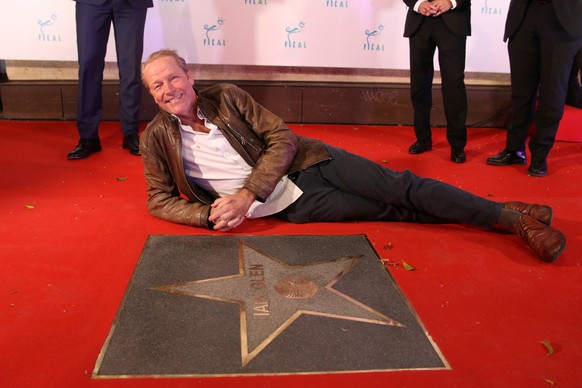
(37, 101)
(489, 106)
(388, 105)
(284, 101)
(69, 101)
(294, 102)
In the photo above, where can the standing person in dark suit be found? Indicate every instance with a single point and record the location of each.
(442, 24)
(94, 19)
(544, 37)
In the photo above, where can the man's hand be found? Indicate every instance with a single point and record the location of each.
(441, 6)
(229, 211)
(427, 8)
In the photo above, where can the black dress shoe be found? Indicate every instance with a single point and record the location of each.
(458, 156)
(419, 147)
(538, 167)
(505, 158)
(85, 148)
(131, 143)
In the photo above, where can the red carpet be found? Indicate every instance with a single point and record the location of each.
(72, 233)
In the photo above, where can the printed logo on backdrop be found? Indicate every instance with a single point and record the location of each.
(372, 40)
(492, 7)
(336, 4)
(293, 41)
(210, 39)
(255, 2)
(45, 31)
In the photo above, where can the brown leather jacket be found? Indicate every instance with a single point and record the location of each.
(261, 138)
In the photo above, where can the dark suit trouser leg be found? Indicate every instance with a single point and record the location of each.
(451, 49)
(557, 53)
(350, 187)
(540, 54)
(578, 86)
(574, 94)
(128, 25)
(524, 54)
(422, 49)
(93, 24)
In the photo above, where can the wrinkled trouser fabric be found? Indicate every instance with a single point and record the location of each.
(352, 188)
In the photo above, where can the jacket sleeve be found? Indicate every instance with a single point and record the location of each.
(280, 143)
(410, 3)
(461, 3)
(164, 199)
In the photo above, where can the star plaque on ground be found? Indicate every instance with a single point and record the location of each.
(232, 305)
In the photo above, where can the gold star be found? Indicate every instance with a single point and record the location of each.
(272, 294)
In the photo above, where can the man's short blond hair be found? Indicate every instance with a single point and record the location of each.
(164, 53)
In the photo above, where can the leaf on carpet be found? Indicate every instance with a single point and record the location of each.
(407, 266)
(549, 348)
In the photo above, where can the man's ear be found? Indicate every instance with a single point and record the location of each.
(191, 78)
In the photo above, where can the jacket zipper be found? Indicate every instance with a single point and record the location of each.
(242, 139)
(236, 132)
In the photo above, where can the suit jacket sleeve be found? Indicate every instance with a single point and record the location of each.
(569, 13)
(413, 19)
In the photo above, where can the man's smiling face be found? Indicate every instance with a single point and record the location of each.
(171, 87)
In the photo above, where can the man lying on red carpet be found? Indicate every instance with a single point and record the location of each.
(216, 157)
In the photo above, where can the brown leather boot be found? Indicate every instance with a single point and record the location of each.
(547, 242)
(541, 213)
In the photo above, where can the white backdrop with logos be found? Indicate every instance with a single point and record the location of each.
(304, 33)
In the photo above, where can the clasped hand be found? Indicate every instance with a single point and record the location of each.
(435, 7)
(229, 211)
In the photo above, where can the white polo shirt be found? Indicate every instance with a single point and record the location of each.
(212, 163)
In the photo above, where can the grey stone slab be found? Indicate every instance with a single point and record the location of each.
(249, 305)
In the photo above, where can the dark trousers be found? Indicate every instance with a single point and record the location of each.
(93, 26)
(574, 94)
(541, 54)
(434, 33)
(350, 188)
